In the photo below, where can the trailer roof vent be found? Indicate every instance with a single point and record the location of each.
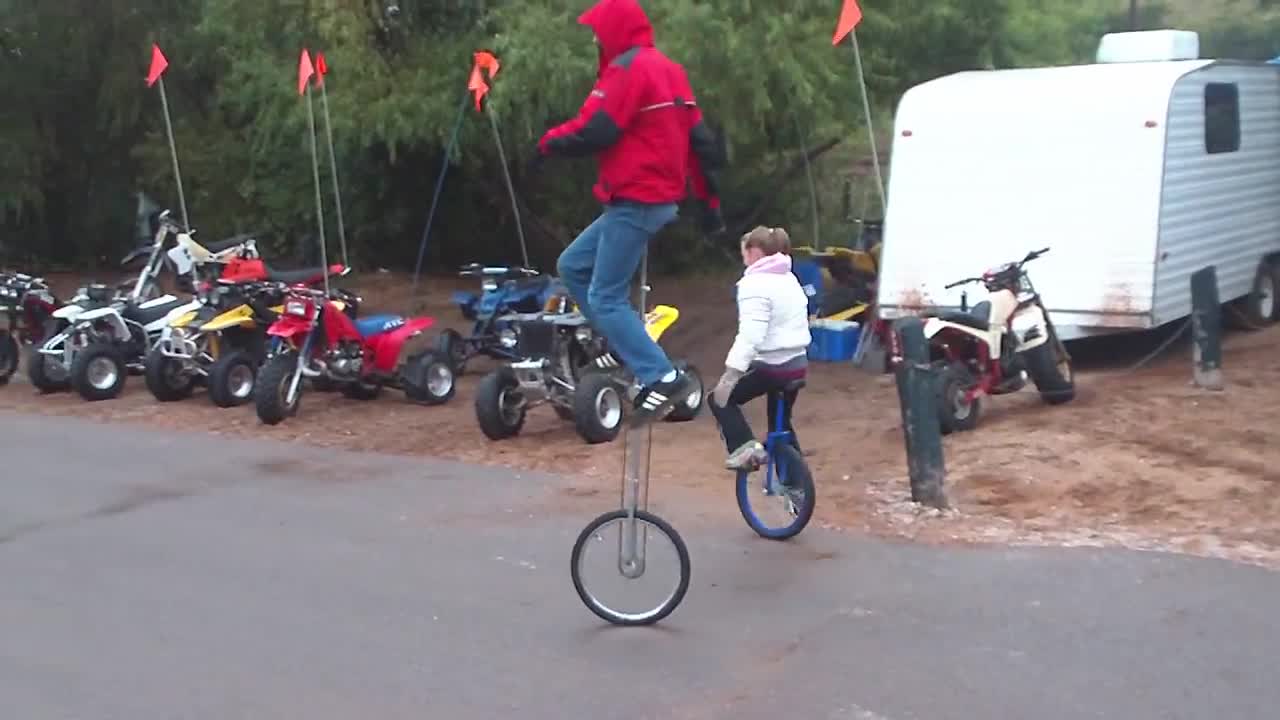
(1149, 46)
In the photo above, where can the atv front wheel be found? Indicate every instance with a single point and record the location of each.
(1050, 369)
(450, 345)
(954, 413)
(165, 377)
(9, 354)
(429, 378)
(597, 408)
(692, 405)
(46, 375)
(232, 379)
(271, 392)
(500, 407)
(99, 372)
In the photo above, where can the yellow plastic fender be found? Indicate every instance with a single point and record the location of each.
(659, 319)
(184, 319)
(238, 316)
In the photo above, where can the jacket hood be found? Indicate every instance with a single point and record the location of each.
(775, 264)
(619, 25)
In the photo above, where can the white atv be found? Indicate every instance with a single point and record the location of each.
(105, 333)
(991, 349)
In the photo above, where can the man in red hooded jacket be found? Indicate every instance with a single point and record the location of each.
(643, 122)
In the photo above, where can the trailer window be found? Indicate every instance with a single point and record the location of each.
(1221, 118)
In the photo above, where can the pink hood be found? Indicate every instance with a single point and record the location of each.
(777, 264)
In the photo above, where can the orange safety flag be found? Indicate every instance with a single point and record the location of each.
(321, 68)
(305, 71)
(481, 60)
(850, 16)
(158, 65)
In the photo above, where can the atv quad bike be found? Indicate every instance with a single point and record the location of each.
(557, 350)
(504, 291)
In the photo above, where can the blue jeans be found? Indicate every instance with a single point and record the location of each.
(597, 269)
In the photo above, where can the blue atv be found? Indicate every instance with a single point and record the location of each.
(504, 290)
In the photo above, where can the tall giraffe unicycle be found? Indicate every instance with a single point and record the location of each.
(647, 546)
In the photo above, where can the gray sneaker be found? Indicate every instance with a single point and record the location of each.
(748, 456)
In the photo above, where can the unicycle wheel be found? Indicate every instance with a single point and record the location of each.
(780, 515)
(600, 539)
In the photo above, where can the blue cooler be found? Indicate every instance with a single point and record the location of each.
(833, 340)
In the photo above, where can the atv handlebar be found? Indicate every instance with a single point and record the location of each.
(965, 281)
(478, 270)
(1033, 255)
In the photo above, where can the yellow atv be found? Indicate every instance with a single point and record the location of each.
(220, 344)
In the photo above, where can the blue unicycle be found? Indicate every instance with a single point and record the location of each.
(782, 504)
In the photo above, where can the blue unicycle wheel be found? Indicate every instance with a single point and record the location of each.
(780, 502)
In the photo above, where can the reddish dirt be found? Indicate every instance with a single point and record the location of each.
(1140, 459)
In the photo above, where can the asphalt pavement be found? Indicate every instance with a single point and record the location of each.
(162, 575)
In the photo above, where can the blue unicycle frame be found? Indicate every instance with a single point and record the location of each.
(784, 471)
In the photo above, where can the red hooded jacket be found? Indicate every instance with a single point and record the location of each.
(641, 117)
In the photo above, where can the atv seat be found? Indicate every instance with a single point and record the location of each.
(151, 313)
(979, 318)
(227, 244)
(374, 324)
(793, 385)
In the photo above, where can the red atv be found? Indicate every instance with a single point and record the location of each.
(26, 304)
(317, 336)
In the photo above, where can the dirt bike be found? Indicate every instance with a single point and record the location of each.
(224, 341)
(26, 304)
(101, 336)
(557, 346)
(316, 337)
(991, 349)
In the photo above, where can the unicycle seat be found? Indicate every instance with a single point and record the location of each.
(793, 385)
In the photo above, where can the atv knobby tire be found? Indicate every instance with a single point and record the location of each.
(1054, 380)
(598, 405)
(272, 386)
(953, 414)
(495, 394)
(84, 369)
(38, 373)
(227, 376)
(9, 354)
(165, 377)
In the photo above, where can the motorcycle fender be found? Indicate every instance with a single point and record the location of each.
(173, 315)
(288, 328)
(659, 320)
(239, 316)
(387, 347)
(108, 314)
(1030, 328)
(68, 312)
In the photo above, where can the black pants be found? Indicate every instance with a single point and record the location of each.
(733, 422)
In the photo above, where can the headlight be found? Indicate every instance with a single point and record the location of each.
(582, 334)
(507, 338)
(489, 285)
(295, 307)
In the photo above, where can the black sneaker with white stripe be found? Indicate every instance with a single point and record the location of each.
(655, 401)
(608, 362)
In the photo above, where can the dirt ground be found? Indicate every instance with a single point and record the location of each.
(1140, 459)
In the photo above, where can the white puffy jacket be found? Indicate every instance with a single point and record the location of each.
(773, 315)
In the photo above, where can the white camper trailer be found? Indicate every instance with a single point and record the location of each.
(1135, 171)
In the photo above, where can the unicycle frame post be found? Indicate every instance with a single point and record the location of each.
(636, 452)
(777, 434)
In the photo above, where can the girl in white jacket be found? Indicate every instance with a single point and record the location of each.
(771, 347)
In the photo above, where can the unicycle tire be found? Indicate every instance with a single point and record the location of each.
(788, 462)
(631, 619)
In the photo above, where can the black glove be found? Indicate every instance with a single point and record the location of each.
(712, 221)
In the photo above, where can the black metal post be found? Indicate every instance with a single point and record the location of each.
(1206, 329)
(918, 396)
